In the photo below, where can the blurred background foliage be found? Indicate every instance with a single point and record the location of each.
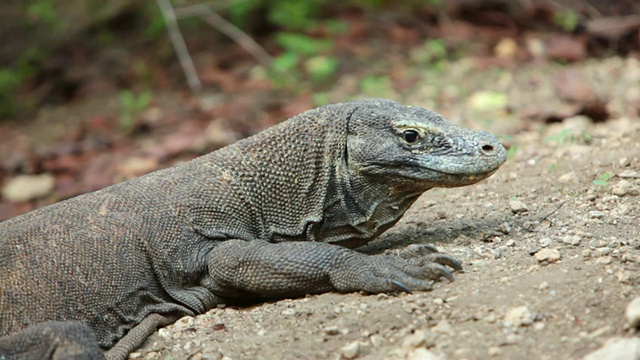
(31, 31)
(53, 51)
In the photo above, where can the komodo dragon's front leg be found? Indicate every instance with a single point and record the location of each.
(246, 269)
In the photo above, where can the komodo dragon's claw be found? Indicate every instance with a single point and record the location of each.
(444, 259)
(417, 250)
(439, 271)
(402, 287)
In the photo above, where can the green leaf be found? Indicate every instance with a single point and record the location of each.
(320, 67)
(302, 44)
(603, 179)
(488, 100)
(285, 62)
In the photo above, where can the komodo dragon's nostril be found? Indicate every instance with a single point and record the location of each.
(488, 149)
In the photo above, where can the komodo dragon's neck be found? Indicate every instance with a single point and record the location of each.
(358, 208)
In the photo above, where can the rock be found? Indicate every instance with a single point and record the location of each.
(625, 187)
(629, 174)
(569, 177)
(419, 338)
(544, 242)
(627, 277)
(604, 260)
(443, 327)
(423, 354)
(548, 255)
(595, 214)
(632, 313)
(350, 351)
(332, 330)
(602, 251)
(572, 240)
(617, 348)
(165, 333)
(494, 351)
(289, 312)
(505, 228)
(518, 206)
(518, 316)
(28, 187)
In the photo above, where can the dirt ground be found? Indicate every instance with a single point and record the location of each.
(550, 243)
(550, 246)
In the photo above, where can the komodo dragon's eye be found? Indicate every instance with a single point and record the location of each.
(410, 136)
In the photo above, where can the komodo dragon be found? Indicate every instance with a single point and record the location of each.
(274, 215)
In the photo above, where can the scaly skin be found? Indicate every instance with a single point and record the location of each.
(274, 215)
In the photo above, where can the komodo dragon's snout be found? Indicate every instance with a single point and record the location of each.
(275, 215)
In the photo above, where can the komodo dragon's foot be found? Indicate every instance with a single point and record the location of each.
(415, 267)
(247, 268)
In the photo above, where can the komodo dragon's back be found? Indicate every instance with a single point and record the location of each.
(274, 215)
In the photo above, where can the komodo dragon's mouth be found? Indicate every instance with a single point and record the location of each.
(452, 179)
(454, 173)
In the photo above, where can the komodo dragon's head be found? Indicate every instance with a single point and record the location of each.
(417, 147)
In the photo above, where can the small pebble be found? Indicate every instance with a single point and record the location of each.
(627, 277)
(423, 354)
(629, 174)
(518, 316)
(494, 351)
(548, 255)
(350, 351)
(571, 240)
(625, 187)
(604, 260)
(505, 228)
(419, 338)
(602, 251)
(288, 312)
(595, 214)
(632, 313)
(332, 330)
(617, 348)
(518, 206)
(544, 242)
(443, 327)
(569, 177)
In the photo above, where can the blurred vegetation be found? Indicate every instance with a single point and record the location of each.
(131, 106)
(32, 31)
(40, 41)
